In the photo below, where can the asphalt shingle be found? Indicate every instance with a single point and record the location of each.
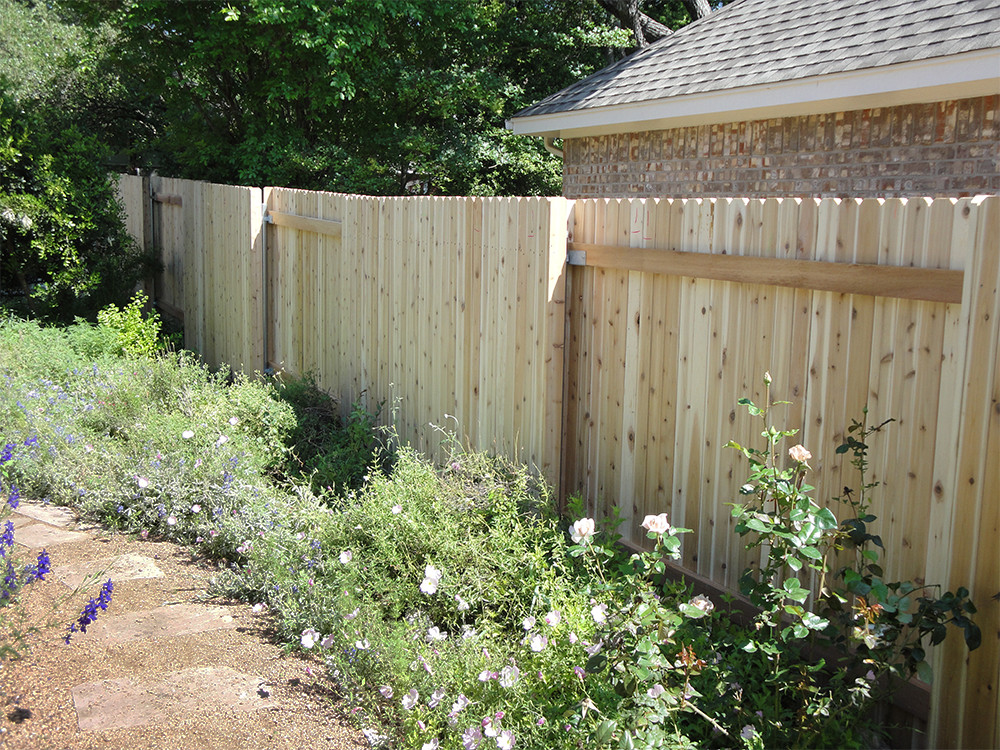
(754, 42)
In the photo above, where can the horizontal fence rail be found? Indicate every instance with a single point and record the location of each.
(616, 376)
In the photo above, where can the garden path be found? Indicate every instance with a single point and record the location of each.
(163, 667)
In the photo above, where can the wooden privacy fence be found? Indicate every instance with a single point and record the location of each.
(453, 309)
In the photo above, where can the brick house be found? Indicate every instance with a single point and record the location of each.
(860, 98)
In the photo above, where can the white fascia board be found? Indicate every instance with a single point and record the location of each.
(958, 76)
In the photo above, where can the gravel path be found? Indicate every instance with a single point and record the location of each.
(163, 667)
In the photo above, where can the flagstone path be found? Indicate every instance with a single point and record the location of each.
(163, 668)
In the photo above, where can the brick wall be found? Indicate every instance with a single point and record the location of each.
(949, 148)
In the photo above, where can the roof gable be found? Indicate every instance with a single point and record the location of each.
(754, 43)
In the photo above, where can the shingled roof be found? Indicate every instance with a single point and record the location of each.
(752, 44)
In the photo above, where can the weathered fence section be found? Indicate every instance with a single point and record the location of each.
(447, 310)
(451, 312)
(132, 195)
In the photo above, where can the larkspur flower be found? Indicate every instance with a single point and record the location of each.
(7, 538)
(13, 498)
(89, 613)
(40, 569)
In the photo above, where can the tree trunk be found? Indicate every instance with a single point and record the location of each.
(645, 29)
(698, 8)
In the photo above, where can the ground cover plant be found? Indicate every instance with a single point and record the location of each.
(450, 605)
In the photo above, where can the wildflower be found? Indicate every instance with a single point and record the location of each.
(328, 641)
(462, 604)
(386, 691)
(460, 703)
(233, 421)
(144, 533)
(187, 434)
(436, 697)
(600, 613)
(432, 577)
(259, 607)
(410, 699)
(471, 738)
(468, 631)
(506, 740)
(656, 691)
(362, 645)
(89, 613)
(748, 732)
(541, 721)
(538, 642)
(573, 638)
(594, 649)
(397, 509)
(582, 531)
(432, 745)
(196, 508)
(509, 675)
(142, 482)
(553, 618)
(42, 567)
(486, 675)
(221, 441)
(7, 538)
(656, 524)
(799, 454)
(435, 634)
(580, 672)
(351, 615)
(529, 623)
(309, 638)
(171, 520)
(346, 556)
(13, 499)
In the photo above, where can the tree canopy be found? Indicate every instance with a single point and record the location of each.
(374, 96)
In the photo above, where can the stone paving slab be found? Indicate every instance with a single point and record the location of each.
(162, 622)
(50, 514)
(38, 535)
(122, 568)
(121, 703)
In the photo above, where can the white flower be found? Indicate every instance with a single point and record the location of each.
(538, 642)
(351, 615)
(462, 604)
(436, 697)
(309, 638)
(485, 676)
(187, 434)
(656, 524)
(142, 482)
(460, 703)
(471, 738)
(748, 732)
(432, 577)
(411, 699)
(509, 675)
(529, 623)
(397, 509)
(221, 441)
(435, 634)
(171, 520)
(362, 645)
(595, 648)
(656, 691)
(799, 454)
(581, 531)
(196, 508)
(346, 556)
(553, 618)
(573, 638)
(328, 641)
(259, 607)
(233, 421)
(386, 691)
(506, 740)
(599, 613)
(703, 603)
(432, 745)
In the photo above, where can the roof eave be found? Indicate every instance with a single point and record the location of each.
(956, 76)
